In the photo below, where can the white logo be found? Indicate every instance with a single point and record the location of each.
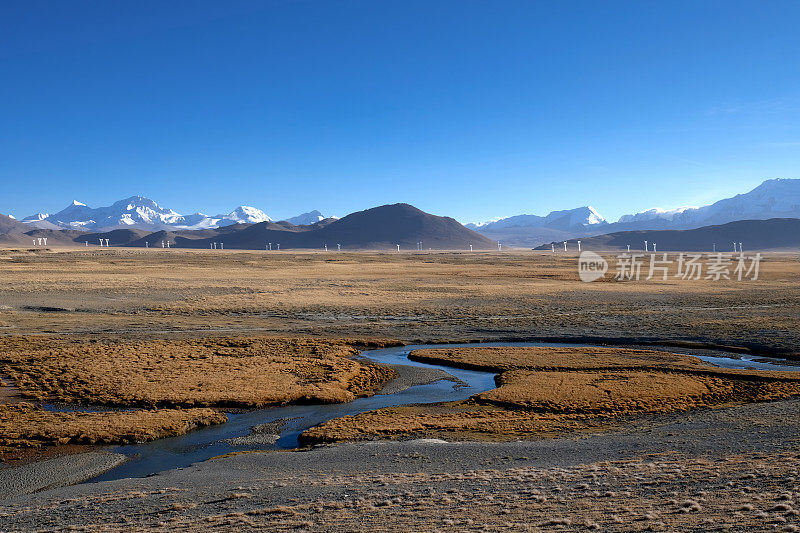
(591, 266)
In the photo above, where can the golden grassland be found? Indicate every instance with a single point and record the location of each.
(213, 372)
(187, 328)
(500, 359)
(26, 425)
(171, 379)
(408, 296)
(544, 390)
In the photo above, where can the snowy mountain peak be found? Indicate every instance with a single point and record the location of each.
(133, 211)
(775, 198)
(305, 219)
(36, 218)
(655, 213)
(580, 217)
(244, 214)
(594, 217)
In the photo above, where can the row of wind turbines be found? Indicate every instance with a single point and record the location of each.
(646, 248)
(42, 241)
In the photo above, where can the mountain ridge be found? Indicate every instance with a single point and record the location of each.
(378, 228)
(773, 198)
(143, 213)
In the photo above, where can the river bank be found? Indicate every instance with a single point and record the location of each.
(732, 463)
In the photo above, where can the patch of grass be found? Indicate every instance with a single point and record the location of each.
(25, 425)
(229, 372)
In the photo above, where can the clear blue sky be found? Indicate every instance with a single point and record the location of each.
(472, 109)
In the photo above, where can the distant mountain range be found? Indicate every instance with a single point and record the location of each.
(383, 227)
(777, 198)
(770, 234)
(139, 221)
(143, 213)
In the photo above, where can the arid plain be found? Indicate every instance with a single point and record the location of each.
(166, 341)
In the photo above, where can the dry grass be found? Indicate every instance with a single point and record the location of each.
(624, 392)
(218, 372)
(251, 372)
(545, 390)
(500, 359)
(405, 296)
(26, 425)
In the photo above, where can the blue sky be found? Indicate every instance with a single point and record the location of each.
(471, 109)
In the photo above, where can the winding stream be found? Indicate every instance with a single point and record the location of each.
(199, 445)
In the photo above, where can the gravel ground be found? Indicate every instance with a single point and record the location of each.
(735, 466)
(410, 376)
(56, 472)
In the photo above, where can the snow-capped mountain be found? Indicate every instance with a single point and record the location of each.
(656, 213)
(35, 218)
(569, 219)
(776, 198)
(133, 211)
(241, 215)
(305, 219)
(245, 215)
(140, 212)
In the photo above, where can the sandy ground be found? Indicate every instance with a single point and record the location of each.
(410, 376)
(735, 468)
(56, 472)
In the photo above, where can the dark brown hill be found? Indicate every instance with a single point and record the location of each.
(381, 227)
(11, 225)
(54, 237)
(117, 237)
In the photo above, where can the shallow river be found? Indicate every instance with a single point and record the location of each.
(202, 444)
